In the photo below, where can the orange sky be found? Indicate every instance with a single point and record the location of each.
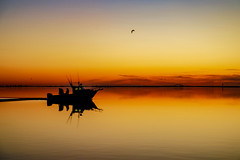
(42, 42)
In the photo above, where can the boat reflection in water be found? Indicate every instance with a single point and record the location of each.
(78, 106)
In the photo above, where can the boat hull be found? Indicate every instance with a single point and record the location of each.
(84, 95)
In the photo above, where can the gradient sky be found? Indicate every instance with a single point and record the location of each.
(43, 41)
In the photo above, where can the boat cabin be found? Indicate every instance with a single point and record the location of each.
(76, 89)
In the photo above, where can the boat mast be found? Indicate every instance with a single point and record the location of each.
(78, 80)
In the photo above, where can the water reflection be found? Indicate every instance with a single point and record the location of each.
(78, 107)
(137, 123)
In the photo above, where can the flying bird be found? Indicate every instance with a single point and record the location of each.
(132, 31)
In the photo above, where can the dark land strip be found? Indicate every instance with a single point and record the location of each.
(117, 86)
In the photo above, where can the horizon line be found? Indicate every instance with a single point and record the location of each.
(125, 86)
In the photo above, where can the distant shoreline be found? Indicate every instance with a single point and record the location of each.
(126, 86)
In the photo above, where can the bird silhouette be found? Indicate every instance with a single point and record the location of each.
(132, 31)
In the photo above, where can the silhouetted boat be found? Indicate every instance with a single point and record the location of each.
(79, 93)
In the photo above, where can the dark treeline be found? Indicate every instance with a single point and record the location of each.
(116, 86)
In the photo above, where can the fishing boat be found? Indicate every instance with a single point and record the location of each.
(79, 93)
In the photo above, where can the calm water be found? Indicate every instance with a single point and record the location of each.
(134, 123)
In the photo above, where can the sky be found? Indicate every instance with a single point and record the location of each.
(175, 41)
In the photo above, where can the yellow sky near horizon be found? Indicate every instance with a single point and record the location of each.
(43, 43)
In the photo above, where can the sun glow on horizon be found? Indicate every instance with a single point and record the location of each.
(42, 42)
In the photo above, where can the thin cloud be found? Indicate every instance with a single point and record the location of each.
(128, 76)
(233, 69)
(188, 80)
